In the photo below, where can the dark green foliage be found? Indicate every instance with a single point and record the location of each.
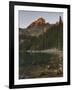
(55, 37)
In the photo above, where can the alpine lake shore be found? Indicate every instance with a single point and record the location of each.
(41, 64)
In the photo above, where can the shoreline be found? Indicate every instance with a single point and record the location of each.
(50, 51)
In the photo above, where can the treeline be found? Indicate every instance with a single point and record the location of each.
(52, 38)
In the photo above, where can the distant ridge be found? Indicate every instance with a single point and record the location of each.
(38, 27)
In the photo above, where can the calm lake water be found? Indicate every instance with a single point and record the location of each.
(37, 65)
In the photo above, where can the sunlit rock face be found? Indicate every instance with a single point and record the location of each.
(38, 27)
(38, 22)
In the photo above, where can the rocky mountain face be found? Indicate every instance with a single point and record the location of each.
(40, 21)
(36, 28)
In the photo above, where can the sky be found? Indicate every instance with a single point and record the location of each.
(27, 17)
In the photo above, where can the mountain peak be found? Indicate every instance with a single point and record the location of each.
(38, 22)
